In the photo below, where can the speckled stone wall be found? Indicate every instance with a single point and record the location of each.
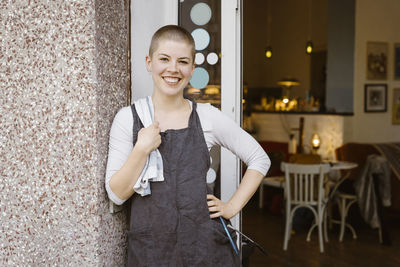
(63, 76)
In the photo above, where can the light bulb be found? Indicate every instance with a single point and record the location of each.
(309, 47)
(316, 141)
(268, 52)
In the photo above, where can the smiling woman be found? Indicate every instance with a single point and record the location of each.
(159, 157)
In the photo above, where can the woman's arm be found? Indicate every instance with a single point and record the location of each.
(122, 182)
(125, 161)
(250, 182)
(225, 132)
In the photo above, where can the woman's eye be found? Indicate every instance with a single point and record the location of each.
(184, 62)
(164, 59)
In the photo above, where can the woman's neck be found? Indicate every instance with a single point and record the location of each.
(168, 103)
(171, 112)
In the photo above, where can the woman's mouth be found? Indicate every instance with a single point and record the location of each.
(171, 80)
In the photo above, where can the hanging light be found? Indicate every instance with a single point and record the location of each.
(309, 44)
(268, 52)
(288, 83)
(309, 47)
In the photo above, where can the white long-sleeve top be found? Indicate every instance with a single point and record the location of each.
(217, 127)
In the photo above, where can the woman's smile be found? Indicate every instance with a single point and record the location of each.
(171, 80)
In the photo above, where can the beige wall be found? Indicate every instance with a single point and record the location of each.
(289, 23)
(277, 127)
(62, 78)
(374, 22)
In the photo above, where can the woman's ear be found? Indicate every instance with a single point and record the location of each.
(148, 63)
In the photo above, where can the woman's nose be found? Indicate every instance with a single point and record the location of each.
(173, 66)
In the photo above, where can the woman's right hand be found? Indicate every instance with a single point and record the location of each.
(149, 138)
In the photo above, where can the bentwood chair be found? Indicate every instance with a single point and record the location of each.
(304, 188)
(344, 202)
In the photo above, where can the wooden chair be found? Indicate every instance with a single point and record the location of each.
(275, 176)
(344, 202)
(305, 158)
(304, 187)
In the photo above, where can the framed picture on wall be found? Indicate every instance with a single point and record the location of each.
(375, 98)
(377, 54)
(396, 61)
(396, 106)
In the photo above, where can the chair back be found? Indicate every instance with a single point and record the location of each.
(305, 158)
(304, 183)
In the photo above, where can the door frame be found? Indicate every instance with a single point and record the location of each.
(231, 93)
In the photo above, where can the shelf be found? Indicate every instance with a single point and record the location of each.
(302, 112)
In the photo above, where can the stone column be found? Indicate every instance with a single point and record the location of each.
(63, 76)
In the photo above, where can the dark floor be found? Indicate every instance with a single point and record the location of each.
(267, 228)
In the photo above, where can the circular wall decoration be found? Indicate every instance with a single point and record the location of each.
(212, 58)
(199, 59)
(201, 39)
(211, 176)
(200, 78)
(200, 14)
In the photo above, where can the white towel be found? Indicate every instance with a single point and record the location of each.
(153, 170)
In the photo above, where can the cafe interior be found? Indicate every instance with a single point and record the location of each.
(320, 83)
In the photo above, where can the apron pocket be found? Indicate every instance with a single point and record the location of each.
(223, 253)
(163, 250)
(207, 245)
(146, 248)
(139, 245)
(219, 232)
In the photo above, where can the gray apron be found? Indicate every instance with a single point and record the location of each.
(172, 226)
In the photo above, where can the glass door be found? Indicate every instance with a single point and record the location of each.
(203, 21)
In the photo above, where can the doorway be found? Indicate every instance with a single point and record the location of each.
(220, 70)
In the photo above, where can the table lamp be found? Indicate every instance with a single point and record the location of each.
(315, 143)
(288, 83)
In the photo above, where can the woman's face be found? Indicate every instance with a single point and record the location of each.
(171, 66)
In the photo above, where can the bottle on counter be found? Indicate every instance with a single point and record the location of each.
(292, 144)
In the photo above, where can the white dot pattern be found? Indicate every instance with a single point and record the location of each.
(212, 58)
(199, 59)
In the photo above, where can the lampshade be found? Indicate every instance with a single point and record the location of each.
(288, 82)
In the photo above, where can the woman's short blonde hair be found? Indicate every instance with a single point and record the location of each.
(171, 32)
